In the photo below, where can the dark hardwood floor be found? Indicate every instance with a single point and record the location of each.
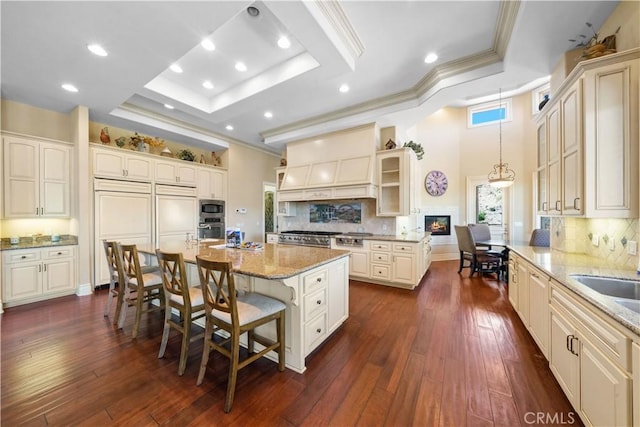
(450, 353)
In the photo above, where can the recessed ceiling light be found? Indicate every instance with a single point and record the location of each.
(344, 88)
(207, 84)
(169, 106)
(175, 68)
(432, 57)
(69, 87)
(96, 49)
(284, 43)
(268, 114)
(253, 11)
(229, 127)
(241, 67)
(208, 45)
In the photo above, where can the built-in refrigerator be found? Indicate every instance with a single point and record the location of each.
(123, 211)
(176, 213)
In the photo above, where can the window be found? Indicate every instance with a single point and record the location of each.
(489, 204)
(489, 113)
(537, 96)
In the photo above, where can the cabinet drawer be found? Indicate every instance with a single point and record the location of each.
(315, 303)
(605, 337)
(315, 280)
(403, 247)
(315, 332)
(25, 255)
(62, 252)
(380, 271)
(380, 246)
(380, 257)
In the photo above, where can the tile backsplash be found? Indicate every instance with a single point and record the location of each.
(575, 235)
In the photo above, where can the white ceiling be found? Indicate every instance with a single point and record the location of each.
(375, 47)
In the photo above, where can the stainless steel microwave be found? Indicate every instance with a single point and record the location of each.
(211, 207)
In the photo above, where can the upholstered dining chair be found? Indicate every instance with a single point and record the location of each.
(186, 300)
(141, 288)
(479, 260)
(236, 314)
(540, 237)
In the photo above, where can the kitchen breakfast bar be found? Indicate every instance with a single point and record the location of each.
(312, 282)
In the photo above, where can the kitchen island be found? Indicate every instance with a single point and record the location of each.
(312, 282)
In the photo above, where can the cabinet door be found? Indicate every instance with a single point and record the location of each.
(539, 310)
(295, 177)
(605, 391)
(109, 164)
(572, 179)
(166, 172)
(541, 174)
(59, 275)
(219, 184)
(139, 168)
(338, 289)
(562, 362)
(55, 169)
(204, 184)
(513, 282)
(403, 269)
(187, 175)
(359, 264)
(21, 178)
(22, 280)
(554, 154)
(523, 292)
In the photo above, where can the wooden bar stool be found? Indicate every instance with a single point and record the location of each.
(236, 314)
(178, 295)
(116, 277)
(141, 288)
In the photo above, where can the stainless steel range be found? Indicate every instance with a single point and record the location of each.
(321, 239)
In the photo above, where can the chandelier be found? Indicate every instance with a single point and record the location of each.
(501, 175)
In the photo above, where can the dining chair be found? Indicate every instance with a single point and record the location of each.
(188, 301)
(236, 313)
(116, 278)
(481, 261)
(141, 287)
(540, 237)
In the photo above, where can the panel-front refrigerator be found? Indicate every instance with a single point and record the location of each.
(176, 213)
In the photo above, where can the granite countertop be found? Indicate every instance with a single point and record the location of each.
(412, 237)
(271, 262)
(561, 265)
(39, 242)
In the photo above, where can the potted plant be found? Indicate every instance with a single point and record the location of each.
(186, 154)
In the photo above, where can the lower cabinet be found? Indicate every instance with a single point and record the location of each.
(403, 265)
(523, 291)
(590, 360)
(37, 274)
(359, 263)
(513, 280)
(539, 309)
(636, 383)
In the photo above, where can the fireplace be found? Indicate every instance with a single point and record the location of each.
(438, 225)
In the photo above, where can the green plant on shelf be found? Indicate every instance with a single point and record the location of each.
(415, 147)
(186, 154)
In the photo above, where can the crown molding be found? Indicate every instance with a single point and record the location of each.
(507, 14)
(336, 16)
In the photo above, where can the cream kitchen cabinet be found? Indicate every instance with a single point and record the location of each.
(522, 273)
(396, 181)
(272, 238)
(285, 207)
(36, 178)
(403, 266)
(121, 164)
(359, 264)
(590, 360)
(395, 263)
(591, 124)
(212, 183)
(175, 173)
(37, 274)
(513, 279)
(539, 308)
(635, 354)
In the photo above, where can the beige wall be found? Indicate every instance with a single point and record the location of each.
(626, 16)
(462, 152)
(23, 118)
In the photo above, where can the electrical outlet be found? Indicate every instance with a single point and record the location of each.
(595, 240)
(632, 247)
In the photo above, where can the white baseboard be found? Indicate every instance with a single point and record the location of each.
(84, 289)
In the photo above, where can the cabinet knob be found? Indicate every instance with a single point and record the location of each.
(319, 302)
(23, 256)
(319, 279)
(318, 330)
(59, 253)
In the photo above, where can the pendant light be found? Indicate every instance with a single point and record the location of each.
(501, 175)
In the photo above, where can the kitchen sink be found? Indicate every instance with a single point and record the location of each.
(631, 304)
(618, 288)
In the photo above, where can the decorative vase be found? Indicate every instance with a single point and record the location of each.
(543, 103)
(142, 147)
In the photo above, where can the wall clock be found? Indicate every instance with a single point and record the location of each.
(436, 183)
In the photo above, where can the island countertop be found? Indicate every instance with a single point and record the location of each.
(271, 262)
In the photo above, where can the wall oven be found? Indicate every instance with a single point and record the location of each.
(212, 224)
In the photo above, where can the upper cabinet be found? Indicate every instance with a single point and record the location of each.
(176, 173)
(588, 141)
(120, 164)
(212, 183)
(397, 171)
(350, 171)
(36, 178)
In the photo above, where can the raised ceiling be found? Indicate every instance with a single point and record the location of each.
(377, 48)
